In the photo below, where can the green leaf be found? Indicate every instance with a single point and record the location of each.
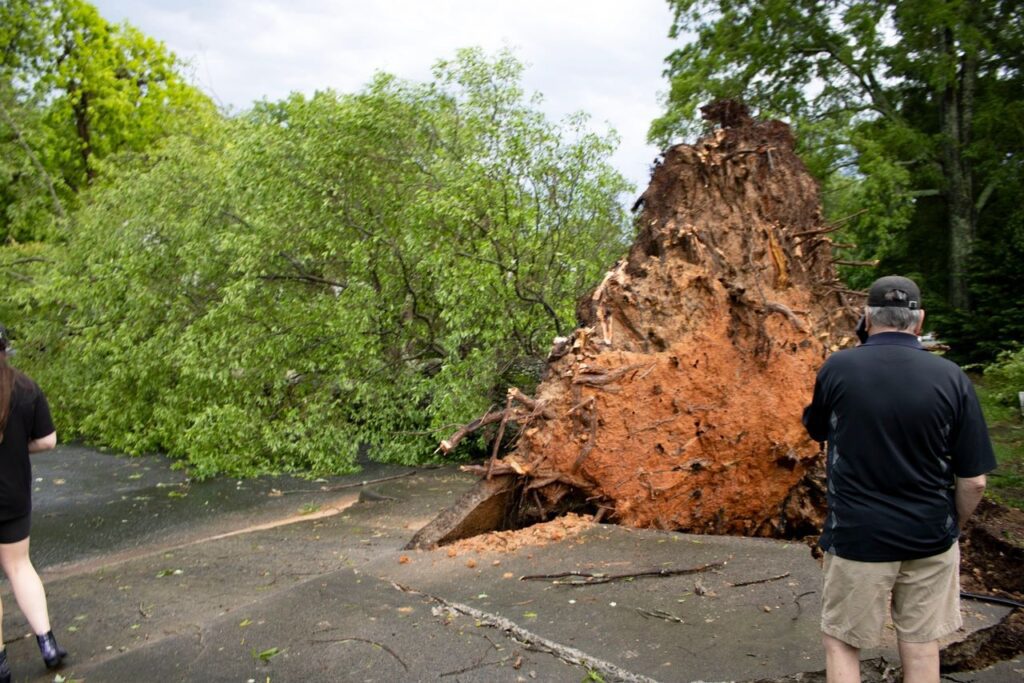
(266, 655)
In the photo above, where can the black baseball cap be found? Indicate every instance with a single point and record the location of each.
(880, 289)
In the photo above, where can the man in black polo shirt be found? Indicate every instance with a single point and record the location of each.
(908, 450)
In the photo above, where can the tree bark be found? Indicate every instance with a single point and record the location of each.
(81, 112)
(957, 111)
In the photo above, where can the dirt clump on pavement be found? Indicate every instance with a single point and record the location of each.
(677, 402)
(558, 529)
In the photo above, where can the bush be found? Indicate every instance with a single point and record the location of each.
(1004, 378)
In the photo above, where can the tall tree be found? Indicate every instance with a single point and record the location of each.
(896, 102)
(74, 91)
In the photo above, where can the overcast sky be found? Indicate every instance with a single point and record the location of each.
(604, 57)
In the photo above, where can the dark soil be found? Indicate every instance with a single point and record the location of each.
(992, 564)
(993, 551)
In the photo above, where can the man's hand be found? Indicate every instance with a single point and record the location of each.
(969, 491)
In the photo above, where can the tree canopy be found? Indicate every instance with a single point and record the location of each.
(328, 271)
(75, 90)
(911, 113)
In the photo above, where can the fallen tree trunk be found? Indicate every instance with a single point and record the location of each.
(676, 404)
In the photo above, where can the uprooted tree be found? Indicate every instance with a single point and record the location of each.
(676, 404)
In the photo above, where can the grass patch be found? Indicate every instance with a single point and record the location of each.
(1006, 427)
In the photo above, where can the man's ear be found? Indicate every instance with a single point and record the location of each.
(920, 324)
(867, 319)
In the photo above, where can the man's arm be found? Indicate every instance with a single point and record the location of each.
(43, 443)
(816, 415)
(969, 491)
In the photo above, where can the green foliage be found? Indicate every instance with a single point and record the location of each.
(998, 391)
(911, 114)
(1004, 378)
(74, 92)
(327, 271)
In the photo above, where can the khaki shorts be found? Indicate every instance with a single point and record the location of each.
(924, 595)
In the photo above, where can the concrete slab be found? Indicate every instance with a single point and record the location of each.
(763, 630)
(342, 627)
(482, 509)
(92, 504)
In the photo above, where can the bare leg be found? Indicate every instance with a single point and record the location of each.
(842, 661)
(28, 589)
(920, 662)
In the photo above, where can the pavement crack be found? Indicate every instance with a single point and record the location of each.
(90, 565)
(201, 635)
(533, 640)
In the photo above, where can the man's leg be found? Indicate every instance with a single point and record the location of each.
(926, 607)
(842, 661)
(920, 662)
(854, 606)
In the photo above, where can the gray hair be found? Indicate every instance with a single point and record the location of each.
(903, 319)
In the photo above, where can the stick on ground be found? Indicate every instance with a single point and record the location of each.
(589, 579)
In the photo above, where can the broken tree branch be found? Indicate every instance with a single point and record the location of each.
(580, 405)
(816, 231)
(537, 407)
(382, 646)
(501, 433)
(799, 607)
(533, 640)
(599, 377)
(449, 444)
(756, 581)
(773, 307)
(660, 614)
(477, 665)
(588, 578)
(366, 482)
(843, 290)
(847, 262)
(44, 176)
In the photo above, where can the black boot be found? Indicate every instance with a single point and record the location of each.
(5, 671)
(51, 651)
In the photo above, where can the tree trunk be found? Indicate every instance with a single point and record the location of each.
(81, 112)
(957, 114)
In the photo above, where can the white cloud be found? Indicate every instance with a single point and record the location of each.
(604, 57)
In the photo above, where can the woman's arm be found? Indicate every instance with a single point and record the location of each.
(43, 443)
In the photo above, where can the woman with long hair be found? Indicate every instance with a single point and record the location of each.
(26, 427)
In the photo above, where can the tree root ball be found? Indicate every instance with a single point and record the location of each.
(677, 402)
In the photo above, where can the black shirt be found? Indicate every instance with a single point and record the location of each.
(29, 420)
(900, 423)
